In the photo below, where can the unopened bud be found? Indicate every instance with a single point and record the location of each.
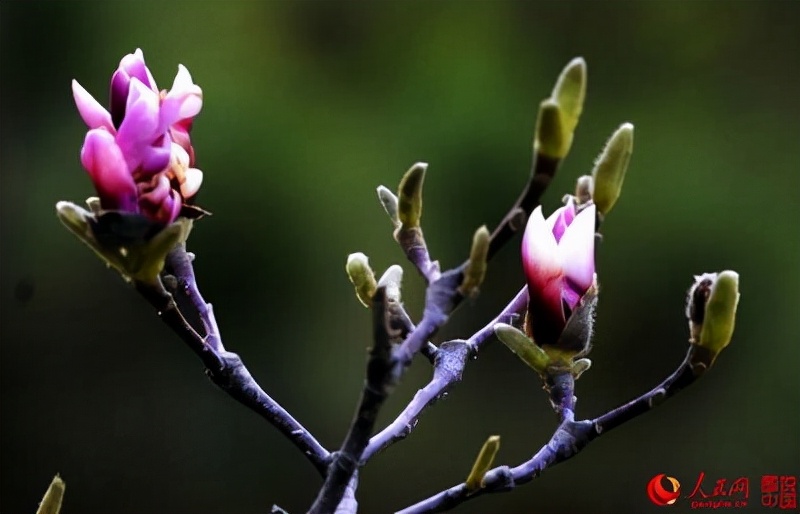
(483, 463)
(53, 497)
(570, 92)
(389, 202)
(550, 139)
(362, 277)
(476, 269)
(610, 167)
(409, 206)
(711, 310)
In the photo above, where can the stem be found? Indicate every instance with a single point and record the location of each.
(543, 170)
(567, 441)
(225, 369)
(377, 386)
(179, 261)
(448, 368)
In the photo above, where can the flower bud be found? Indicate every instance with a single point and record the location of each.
(362, 277)
(409, 205)
(53, 497)
(558, 260)
(476, 267)
(711, 309)
(559, 114)
(139, 155)
(483, 463)
(610, 167)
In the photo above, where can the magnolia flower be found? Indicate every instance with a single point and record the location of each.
(558, 260)
(139, 154)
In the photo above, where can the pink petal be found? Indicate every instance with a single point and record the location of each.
(139, 129)
(93, 114)
(576, 250)
(560, 220)
(184, 100)
(110, 175)
(540, 260)
(159, 201)
(194, 178)
(133, 65)
(156, 157)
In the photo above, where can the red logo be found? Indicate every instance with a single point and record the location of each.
(660, 495)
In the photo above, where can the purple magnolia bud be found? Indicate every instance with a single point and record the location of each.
(558, 260)
(139, 156)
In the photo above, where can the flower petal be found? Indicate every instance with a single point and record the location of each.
(194, 178)
(139, 129)
(93, 114)
(156, 157)
(184, 100)
(539, 251)
(560, 220)
(133, 65)
(106, 165)
(158, 200)
(120, 85)
(576, 251)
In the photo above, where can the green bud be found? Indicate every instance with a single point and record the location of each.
(483, 463)
(131, 244)
(579, 366)
(519, 343)
(362, 277)
(551, 139)
(53, 497)
(570, 92)
(389, 202)
(476, 269)
(610, 167)
(409, 206)
(720, 313)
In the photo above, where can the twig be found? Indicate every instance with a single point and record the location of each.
(225, 369)
(441, 298)
(451, 359)
(377, 386)
(179, 263)
(568, 440)
(543, 170)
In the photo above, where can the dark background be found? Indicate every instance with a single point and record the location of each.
(308, 107)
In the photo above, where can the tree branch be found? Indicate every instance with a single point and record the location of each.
(567, 441)
(379, 383)
(449, 365)
(225, 369)
(543, 169)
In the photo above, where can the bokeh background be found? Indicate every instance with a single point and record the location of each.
(308, 107)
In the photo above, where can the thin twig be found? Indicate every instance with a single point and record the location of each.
(225, 369)
(451, 359)
(543, 169)
(567, 441)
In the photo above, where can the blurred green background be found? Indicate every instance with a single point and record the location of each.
(308, 107)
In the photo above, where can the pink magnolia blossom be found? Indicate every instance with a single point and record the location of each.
(558, 260)
(139, 153)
